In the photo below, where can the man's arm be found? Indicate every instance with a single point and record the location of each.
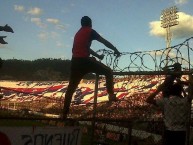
(151, 97)
(109, 45)
(96, 55)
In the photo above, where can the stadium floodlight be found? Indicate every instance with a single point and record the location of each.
(169, 18)
(5, 28)
(2, 41)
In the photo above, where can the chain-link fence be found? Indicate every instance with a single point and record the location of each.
(129, 121)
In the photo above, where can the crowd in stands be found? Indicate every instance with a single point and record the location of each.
(49, 96)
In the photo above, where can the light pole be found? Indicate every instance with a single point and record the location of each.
(5, 28)
(169, 18)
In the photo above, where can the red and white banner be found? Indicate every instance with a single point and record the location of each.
(40, 136)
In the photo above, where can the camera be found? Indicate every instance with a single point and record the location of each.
(174, 67)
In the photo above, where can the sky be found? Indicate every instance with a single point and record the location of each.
(45, 28)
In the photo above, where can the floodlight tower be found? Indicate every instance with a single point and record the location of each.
(5, 28)
(169, 18)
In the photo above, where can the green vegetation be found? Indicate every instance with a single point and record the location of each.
(45, 69)
(40, 69)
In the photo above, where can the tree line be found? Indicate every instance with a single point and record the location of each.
(45, 69)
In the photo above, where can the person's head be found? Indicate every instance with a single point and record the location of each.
(177, 66)
(86, 21)
(176, 89)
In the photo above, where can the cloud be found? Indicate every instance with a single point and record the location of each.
(157, 53)
(51, 36)
(38, 22)
(185, 27)
(2, 46)
(35, 11)
(43, 36)
(53, 21)
(180, 2)
(57, 24)
(59, 44)
(54, 35)
(33, 15)
(183, 30)
(62, 27)
(19, 8)
(156, 29)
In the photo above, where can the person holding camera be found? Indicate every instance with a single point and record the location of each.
(82, 64)
(175, 112)
(170, 79)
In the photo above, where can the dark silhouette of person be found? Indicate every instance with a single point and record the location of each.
(169, 80)
(82, 63)
(175, 111)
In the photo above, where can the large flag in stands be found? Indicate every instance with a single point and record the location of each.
(35, 91)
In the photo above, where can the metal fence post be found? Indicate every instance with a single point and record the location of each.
(94, 109)
(190, 94)
(129, 132)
